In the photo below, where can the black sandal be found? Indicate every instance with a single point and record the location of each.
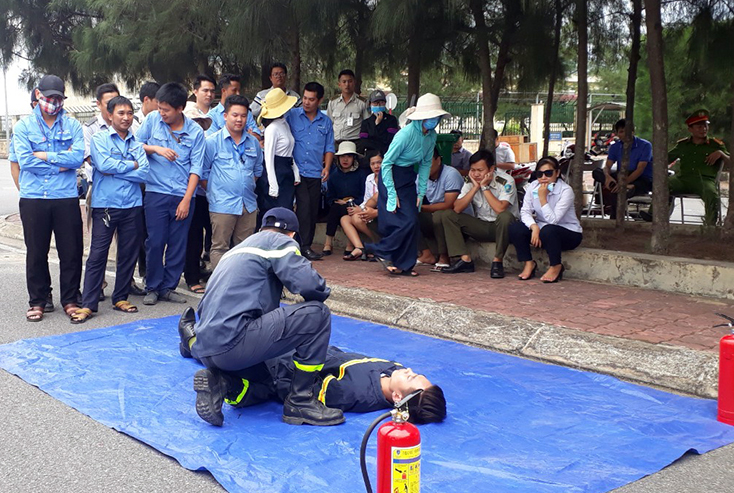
(351, 256)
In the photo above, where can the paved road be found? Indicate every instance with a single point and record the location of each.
(48, 446)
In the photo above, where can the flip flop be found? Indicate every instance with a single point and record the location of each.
(197, 288)
(408, 273)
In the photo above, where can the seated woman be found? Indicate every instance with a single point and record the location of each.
(547, 220)
(363, 219)
(344, 187)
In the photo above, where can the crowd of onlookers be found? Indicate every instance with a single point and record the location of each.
(183, 181)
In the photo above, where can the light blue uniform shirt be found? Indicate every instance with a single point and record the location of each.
(230, 171)
(11, 153)
(63, 144)
(449, 180)
(116, 181)
(217, 114)
(172, 177)
(410, 147)
(313, 140)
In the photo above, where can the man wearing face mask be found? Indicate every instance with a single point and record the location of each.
(50, 148)
(378, 130)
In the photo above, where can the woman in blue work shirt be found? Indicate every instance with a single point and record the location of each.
(547, 220)
(398, 202)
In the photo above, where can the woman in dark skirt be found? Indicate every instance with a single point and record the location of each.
(277, 186)
(398, 201)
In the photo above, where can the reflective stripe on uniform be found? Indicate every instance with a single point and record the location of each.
(308, 368)
(246, 385)
(262, 253)
(342, 370)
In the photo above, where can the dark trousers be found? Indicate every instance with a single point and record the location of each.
(129, 226)
(286, 188)
(308, 199)
(641, 186)
(336, 212)
(554, 239)
(305, 327)
(41, 217)
(399, 229)
(195, 242)
(166, 236)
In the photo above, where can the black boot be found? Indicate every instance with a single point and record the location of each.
(186, 331)
(211, 388)
(302, 407)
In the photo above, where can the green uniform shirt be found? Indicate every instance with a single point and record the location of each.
(693, 157)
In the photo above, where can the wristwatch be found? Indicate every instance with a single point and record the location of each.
(485, 188)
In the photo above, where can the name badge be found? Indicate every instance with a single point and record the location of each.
(350, 121)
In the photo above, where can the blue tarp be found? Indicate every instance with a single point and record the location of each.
(514, 425)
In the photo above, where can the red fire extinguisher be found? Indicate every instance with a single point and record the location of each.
(726, 374)
(398, 452)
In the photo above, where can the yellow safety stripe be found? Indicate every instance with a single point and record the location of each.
(263, 253)
(342, 371)
(308, 368)
(239, 398)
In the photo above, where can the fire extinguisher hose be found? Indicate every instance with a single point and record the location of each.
(363, 450)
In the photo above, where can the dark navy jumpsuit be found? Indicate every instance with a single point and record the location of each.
(348, 381)
(241, 323)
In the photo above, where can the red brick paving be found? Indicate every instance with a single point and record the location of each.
(632, 313)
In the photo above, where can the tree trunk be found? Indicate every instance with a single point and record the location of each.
(727, 231)
(553, 76)
(296, 65)
(264, 72)
(414, 66)
(576, 174)
(360, 49)
(660, 193)
(629, 112)
(486, 140)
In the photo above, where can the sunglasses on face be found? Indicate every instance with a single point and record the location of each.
(548, 173)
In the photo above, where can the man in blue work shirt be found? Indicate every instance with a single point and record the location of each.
(639, 174)
(49, 147)
(120, 166)
(232, 162)
(234, 335)
(230, 86)
(313, 153)
(175, 148)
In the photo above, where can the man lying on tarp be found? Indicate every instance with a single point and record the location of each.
(348, 381)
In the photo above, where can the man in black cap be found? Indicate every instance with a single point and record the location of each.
(49, 147)
(379, 128)
(241, 323)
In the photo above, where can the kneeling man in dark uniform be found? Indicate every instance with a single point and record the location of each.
(241, 323)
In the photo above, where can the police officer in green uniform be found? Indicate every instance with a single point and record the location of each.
(700, 157)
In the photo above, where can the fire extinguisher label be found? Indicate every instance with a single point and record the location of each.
(406, 469)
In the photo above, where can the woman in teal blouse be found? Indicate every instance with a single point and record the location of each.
(398, 203)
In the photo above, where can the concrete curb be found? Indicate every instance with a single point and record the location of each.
(661, 365)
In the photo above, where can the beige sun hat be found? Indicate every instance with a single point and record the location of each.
(347, 147)
(191, 111)
(428, 106)
(276, 104)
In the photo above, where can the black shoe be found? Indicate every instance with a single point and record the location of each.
(646, 216)
(186, 331)
(459, 267)
(532, 273)
(559, 277)
(311, 255)
(135, 290)
(498, 270)
(302, 407)
(211, 388)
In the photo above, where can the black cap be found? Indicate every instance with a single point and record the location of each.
(281, 218)
(51, 85)
(377, 95)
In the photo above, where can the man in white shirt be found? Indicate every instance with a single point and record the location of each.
(347, 111)
(503, 154)
(279, 79)
(493, 196)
